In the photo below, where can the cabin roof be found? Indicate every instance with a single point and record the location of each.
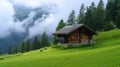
(69, 29)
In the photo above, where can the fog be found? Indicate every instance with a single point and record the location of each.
(60, 9)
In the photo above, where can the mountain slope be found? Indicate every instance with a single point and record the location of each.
(25, 18)
(106, 53)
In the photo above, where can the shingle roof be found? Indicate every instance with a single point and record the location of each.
(69, 29)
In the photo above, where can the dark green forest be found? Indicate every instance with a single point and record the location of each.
(100, 17)
(28, 45)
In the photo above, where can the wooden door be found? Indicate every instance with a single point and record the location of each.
(84, 39)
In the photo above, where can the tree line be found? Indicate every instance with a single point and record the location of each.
(27, 45)
(99, 17)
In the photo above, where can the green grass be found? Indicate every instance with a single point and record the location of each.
(106, 53)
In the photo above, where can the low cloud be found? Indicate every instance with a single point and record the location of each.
(60, 9)
(6, 13)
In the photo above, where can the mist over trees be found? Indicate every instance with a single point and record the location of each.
(28, 45)
(38, 42)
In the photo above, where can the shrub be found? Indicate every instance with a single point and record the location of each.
(70, 45)
(19, 54)
(1, 58)
(41, 50)
(45, 48)
(56, 46)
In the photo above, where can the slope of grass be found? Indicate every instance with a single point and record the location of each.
(106, 53)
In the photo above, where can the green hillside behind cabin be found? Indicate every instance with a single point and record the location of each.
(105, 53)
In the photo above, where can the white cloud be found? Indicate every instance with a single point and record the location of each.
(44, 26)
(6, 12)
(60, 11)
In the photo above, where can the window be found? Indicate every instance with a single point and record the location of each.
(84, 36)
(74, 37)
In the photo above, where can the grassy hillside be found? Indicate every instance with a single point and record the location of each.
(106, 53)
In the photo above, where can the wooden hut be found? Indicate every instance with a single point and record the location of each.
(79, 33)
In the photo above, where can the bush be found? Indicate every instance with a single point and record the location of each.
(1, 58)
(45, 48)
(71, 45)
(19, 54)
(41, 50)
(56, 46)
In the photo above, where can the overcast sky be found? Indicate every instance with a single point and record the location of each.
(61, 11)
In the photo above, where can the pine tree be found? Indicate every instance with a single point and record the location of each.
(60, 25)
(45, 41)
(1, 53)
(90, 16)
(94, 16)
(109, 26)
(28, 45)
(54, 40)
(118, 15)
(39, 45)
(23, 48)
(15, 49)
(81, 16)
(71, 19)
(35, 44)
(111, 12)
(10, 49)
(100, 16)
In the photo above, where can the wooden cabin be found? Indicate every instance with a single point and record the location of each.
(79, 33)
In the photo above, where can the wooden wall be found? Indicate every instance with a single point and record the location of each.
(79, 36)
(82, 36)
(74, 37)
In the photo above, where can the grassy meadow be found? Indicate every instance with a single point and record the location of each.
(105, 53)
